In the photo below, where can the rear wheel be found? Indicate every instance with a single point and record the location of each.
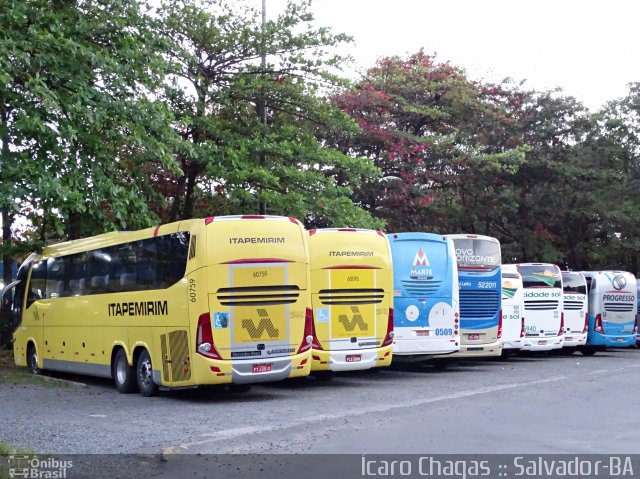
(588, 351)
(144, 375)
(123, 374)
(239, 388)
(32, 360)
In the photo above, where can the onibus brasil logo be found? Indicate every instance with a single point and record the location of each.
(34, 467)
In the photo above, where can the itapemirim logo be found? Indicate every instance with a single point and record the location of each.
(264, 325)
(349, 325)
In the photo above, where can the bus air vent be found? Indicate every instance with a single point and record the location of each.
(258, 295)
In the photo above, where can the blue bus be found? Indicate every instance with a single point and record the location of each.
(426, 300)
(480, 279)
(612, 310)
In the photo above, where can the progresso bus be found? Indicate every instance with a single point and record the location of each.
(351, 281)
(612, 310)
(479, 278)
(575, 310)
(426, 298)
(543, 323)
(196, 302)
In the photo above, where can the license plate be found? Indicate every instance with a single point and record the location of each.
(542, 343)
(620, 340)
(422, 333)
(568, 338)
(474, 336)
(353, 358)
(262, 368)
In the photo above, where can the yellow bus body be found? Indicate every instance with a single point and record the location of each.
(351, 284)
(245, 280)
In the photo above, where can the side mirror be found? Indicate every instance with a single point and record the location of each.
(6, 302)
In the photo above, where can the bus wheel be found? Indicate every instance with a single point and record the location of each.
(239, 388)
(32, 360)
(123, 374)
(144, 373)
(588, 351)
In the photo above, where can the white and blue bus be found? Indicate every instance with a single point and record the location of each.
(612, 310)
(480, 282)
(426, 300)
(543, 318)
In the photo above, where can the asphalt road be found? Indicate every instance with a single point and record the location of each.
(531, 404)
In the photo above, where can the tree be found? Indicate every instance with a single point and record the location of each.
(422, 125)
(76, 118)
(231, 159)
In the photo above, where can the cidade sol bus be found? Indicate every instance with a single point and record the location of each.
(575, 310)
(479, 279)
(612, 310)
(513, 332)
(208, 301)
(351, 281)
(543, 323)
(426, 297)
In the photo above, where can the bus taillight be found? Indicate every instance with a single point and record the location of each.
(522, 330)
(204, 338)
(309, 332)
(500, 325)
(561, 330)
(598, 326)
(635, 326)
(388, 339)
(586, 323)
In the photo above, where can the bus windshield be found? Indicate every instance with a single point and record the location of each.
(540, 276)
(477, 253)
(574, 283)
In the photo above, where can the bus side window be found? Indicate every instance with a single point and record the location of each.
(55, 277)
(37, 283)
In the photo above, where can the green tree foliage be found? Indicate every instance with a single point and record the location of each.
(76, 119)
(250, 130)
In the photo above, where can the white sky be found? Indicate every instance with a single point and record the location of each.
(588, 48)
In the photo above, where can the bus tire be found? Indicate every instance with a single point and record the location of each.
(144, 375)
(239, 388)
(123, 374)
(32, 360)
(588, 351)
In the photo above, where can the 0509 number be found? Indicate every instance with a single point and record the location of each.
(444, 331)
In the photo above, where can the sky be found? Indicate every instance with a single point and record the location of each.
(590, 49)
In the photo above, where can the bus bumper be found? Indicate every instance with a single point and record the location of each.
(351, 359)
(543, 344)
(611, 341)
(477, 350)
(572, 340)
(513, 344)
(425, 347)
(241, 371)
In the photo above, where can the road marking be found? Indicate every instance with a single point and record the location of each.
(227, 434)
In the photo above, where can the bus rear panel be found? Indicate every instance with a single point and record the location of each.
(479, 278)
(543, 322)
(612, 309)
(512, 310)
(574, 309)
(351, 281)
(426, 299)
(252, 328)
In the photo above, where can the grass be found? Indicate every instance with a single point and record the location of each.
(6, 449)
(12, 374)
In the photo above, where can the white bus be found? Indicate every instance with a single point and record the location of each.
(513, 332)
(574, 308)
(543, 323)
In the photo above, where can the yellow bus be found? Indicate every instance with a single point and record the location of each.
(351, 284)
(196, 302)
